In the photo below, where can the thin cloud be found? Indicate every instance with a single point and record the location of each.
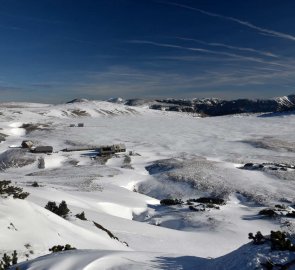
(262, 30)
(166, 83)
(215, 44)
(201, 50)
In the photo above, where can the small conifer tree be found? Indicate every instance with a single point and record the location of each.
(62, 210)
(81, 216)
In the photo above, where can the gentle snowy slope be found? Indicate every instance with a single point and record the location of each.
(247, 257)
(193, 157)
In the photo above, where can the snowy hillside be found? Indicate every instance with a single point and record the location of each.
(215, 176)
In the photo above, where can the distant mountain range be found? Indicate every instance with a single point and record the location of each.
(213, 106)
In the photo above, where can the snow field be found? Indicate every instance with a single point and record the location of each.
(106, 192)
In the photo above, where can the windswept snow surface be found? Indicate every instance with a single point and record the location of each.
(247, 258)
(173, 156)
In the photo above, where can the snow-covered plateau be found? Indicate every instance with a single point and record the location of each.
(246, 162)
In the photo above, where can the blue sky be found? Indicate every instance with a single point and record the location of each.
(56, 50)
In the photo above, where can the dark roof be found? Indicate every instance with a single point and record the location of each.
(42, 149)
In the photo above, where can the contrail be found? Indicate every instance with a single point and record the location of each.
(215, 44)
(241, 22)
(201, 50)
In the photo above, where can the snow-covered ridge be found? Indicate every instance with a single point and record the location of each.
(286, 101)
(216, 107)
(83, 108)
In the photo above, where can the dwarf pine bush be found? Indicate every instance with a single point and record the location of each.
(62, 210)
(6, 190)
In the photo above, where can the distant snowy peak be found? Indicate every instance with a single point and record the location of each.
(93, 108)
(208, 101)
(78, 100)
(286, 101)
(74, 109)
(118, 100)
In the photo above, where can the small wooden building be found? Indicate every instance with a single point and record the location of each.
(106, 150)
(27, 144)
(111, 149)
(42, 149)
(119, 148)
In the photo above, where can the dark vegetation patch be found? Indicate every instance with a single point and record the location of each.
(291, 215)
(203, 203)
(110, 234)
(6, 190)
(278, 241)
(35, 184)
(62, 210)
(59, 248)
(258, 238)
(278, 211)
(208, 200)
(268, 212)
(196, 205)
(171, 202)
(81, 216)
(8, 261)
(270, 166)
